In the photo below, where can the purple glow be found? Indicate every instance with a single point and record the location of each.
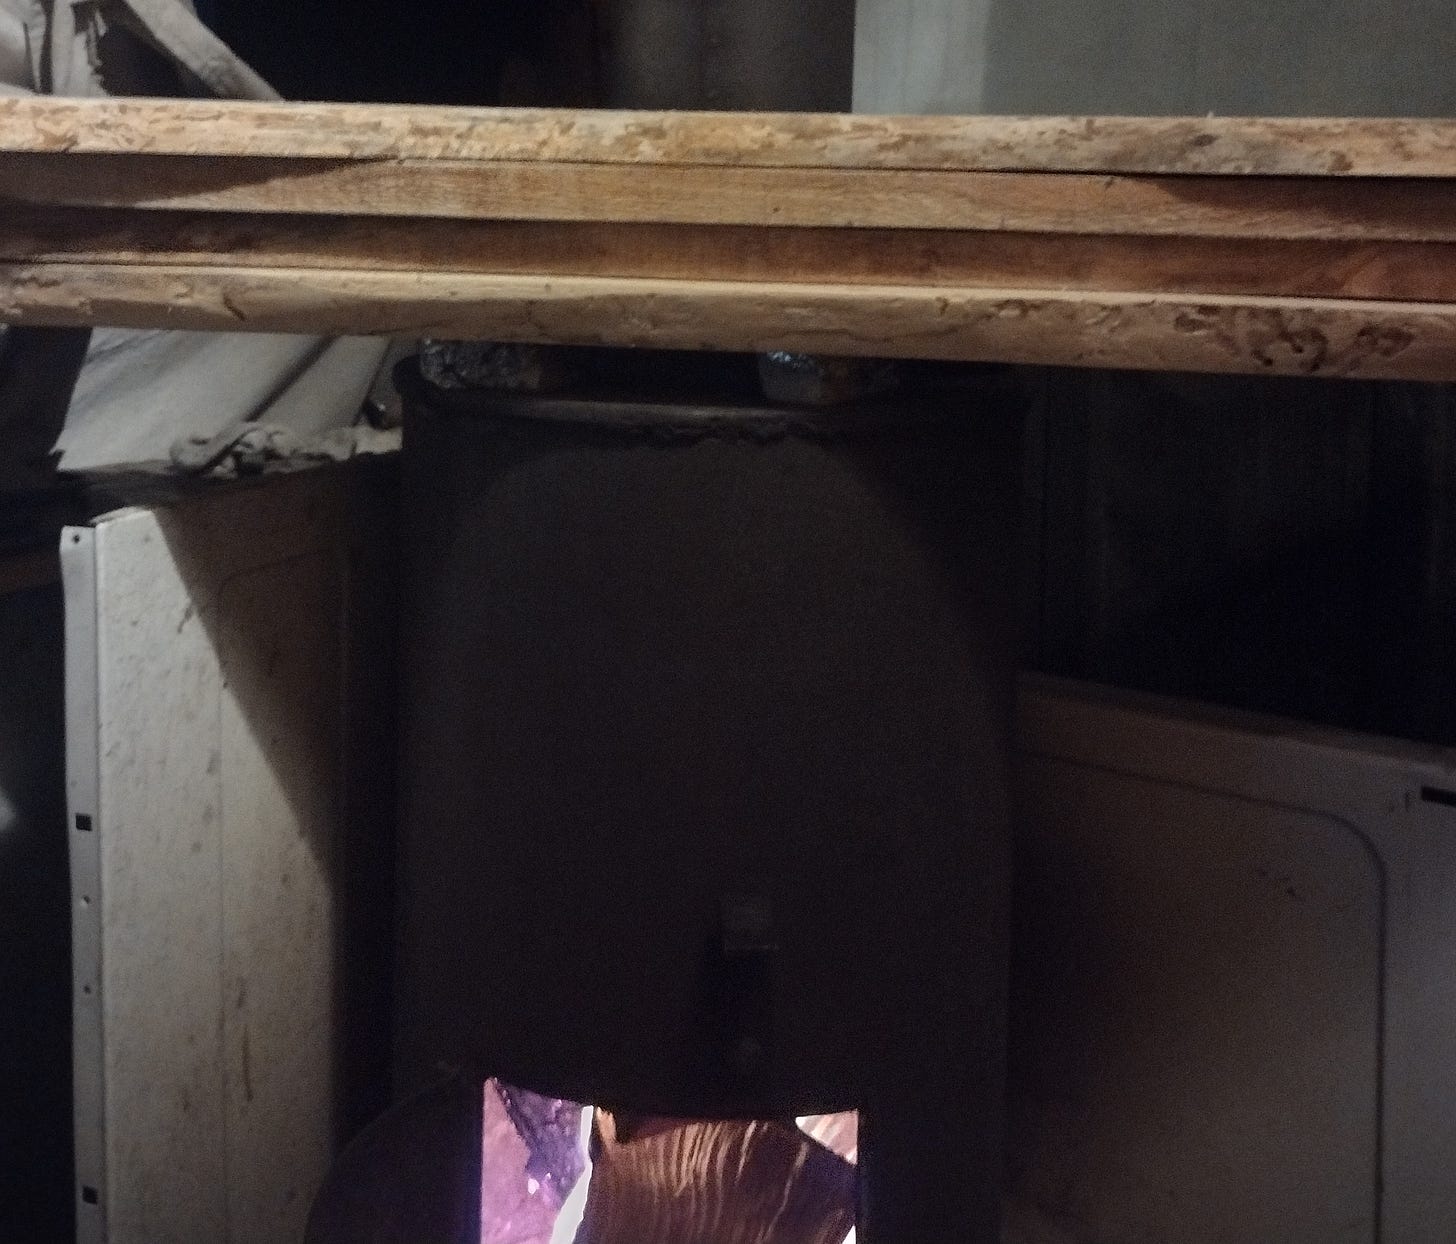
(538, 1183)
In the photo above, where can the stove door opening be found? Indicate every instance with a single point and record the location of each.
(558, 1172)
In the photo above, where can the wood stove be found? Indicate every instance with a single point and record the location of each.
(707, 718)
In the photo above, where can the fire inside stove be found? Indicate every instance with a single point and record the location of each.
(557, 1172)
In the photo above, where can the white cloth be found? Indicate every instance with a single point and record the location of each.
(174, 28)
(140, 392)
(14, 48)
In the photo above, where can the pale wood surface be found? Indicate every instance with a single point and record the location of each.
(1217, 145)
(1295, 247)
(1313, 337)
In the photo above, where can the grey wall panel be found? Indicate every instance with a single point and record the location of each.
(1293, 57)
(1114, 56)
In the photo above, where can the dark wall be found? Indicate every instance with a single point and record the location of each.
(428, 51)
(1287, 546)
(741, 54)
(629, 53)
(35, 925)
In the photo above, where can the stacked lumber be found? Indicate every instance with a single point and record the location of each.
(1304, 247)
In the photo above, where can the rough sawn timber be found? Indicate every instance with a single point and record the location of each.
(1275, 246)
(1289, 147)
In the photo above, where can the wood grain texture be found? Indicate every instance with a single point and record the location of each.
(1301, 247)
(1290, 147)
(725, 1182)
(1273, 336)
(1419, 271)
(1361, 209)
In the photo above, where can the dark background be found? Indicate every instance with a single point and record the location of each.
(429, 52)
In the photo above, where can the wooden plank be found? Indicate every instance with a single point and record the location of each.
(880, 236)
(1288, 147)
(1287, 208)
(1273, 336)
(1307, 268)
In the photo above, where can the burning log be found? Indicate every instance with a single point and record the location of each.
(836, 1132)
(724, 1182)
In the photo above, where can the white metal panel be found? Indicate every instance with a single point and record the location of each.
(161, 852)
(1237, 1015)
(78, 571)
(213, 793)
(279, 740)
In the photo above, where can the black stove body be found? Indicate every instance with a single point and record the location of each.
(706, 767)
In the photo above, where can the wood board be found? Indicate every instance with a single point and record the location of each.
(1259, 146)
(1091, 241)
